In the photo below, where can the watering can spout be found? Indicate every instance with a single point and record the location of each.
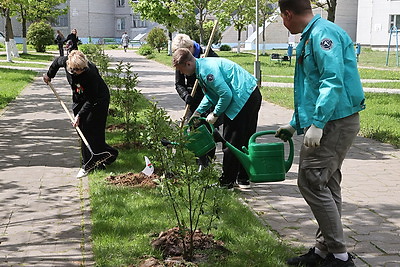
(243, 157)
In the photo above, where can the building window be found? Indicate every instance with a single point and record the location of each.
(394, 22)
(61, 21)
(121, 24)
(137, 22)
(120, 3)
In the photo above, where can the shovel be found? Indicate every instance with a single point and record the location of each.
(96, 158)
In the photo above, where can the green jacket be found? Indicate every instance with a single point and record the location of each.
(226, 85)
(327, 84)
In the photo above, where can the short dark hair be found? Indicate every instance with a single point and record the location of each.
(296, 6)
(181, 56)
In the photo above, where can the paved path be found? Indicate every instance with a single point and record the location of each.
(44, 219)
(44, 212)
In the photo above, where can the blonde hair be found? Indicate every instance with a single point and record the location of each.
(182, 41)
(77, 59)
(181, 56)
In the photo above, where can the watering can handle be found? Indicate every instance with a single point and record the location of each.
(289, 161)
(210, 127)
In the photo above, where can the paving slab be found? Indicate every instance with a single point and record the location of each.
(45, 212)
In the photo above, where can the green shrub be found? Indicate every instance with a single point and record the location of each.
(95, 54)
(39, 35)
(157, 39)
(145, 50)
(225, 47)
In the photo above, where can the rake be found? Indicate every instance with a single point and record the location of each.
(96, 158)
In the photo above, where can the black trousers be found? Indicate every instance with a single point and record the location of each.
(93, 126)
(238, 132)
(61, 49)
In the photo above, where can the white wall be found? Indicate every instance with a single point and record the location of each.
(374, 22)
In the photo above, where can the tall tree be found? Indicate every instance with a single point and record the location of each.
(267, 10)
(6, 11)
(239, 13)
(164, 12)
(201, 7)
(329, 6)
(37, 10)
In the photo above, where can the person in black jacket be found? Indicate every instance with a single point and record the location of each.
(60, 42)
(184, 85)
(72, 41)
(91, 98)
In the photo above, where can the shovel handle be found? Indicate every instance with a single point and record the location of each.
(70, 116)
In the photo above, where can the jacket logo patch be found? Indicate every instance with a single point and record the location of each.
(210, 77)
(326, 44)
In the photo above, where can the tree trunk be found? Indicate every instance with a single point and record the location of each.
(332, 10)
(263, 36)
(25, 48)
(239, 34)
(12, 48)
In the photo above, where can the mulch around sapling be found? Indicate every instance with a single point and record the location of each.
(171, 244)
(133, 180)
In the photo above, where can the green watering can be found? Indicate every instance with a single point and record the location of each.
(263, 162)
(199, 137)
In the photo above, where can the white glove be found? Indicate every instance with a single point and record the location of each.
(313, 136)
(285, 132)
(211, 118)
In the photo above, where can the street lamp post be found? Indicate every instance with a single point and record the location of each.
(257, 69)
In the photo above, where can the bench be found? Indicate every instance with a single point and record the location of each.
(280, 58)
(109, 41)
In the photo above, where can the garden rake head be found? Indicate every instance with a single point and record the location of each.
(96, 159)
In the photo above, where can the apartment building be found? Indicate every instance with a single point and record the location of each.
(376, 19)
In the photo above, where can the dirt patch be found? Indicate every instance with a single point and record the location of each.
(171, 244)
(133, 180)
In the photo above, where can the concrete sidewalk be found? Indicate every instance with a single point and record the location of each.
(371, 182)
(44, 208)
(44, 219)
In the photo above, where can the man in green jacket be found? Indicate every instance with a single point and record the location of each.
(234, 94)
(328, 96)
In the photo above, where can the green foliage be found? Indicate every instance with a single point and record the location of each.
(381, 119)
(39, 35)
(192, 29)
(145, 50)
(157, 39)
(164, 12)
(95, 54)
(187, 190)
(39, 10)
(125, 99)
(225, 47)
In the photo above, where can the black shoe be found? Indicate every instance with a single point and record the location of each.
(331, 261)
(100, 167)
(228, 186)
(310, 259)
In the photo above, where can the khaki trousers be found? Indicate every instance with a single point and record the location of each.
(320, 177)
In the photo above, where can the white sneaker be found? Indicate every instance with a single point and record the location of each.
(244, 185)
(82, 173)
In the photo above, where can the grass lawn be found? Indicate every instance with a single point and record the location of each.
(11, 84)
